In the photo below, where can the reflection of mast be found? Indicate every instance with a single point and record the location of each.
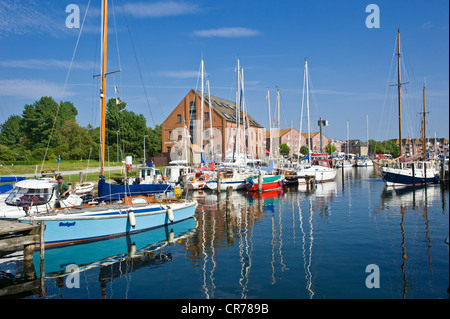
(405, 290)
(427, 234)
(246, 258)
(280, 238)
(307, 261)
(309, 275)
(209, 292)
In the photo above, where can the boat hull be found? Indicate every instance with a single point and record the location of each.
(97, 224)
(237, 185)
(322, 174)
(269, 184)
(402, 177)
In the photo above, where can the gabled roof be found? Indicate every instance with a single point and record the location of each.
(282, 131)
(226, 109)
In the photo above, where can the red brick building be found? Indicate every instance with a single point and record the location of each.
(181, 130)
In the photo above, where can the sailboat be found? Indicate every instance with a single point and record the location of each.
(320, 167)
(117, 213)
(406, 171)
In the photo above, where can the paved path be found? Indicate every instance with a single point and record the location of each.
(85, 171)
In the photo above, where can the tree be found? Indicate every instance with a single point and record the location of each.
(153, 143)
(129, 127)
(284, 149)
(304, 150)
(72, 141)
(330, 149)
(38, 119)
(10, 130)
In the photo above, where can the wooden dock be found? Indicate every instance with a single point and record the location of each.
(16, 236)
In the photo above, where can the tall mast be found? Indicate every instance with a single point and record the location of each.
(424, 140)
(270, 129)
(103, 90)
(278, 126)
(237, 144)
(211, 138)
(399, 93)
(307, 110)
(201, 111)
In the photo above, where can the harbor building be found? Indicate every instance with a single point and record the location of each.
(411, 146)
(181, 131)
(356, 147)
(291, 138)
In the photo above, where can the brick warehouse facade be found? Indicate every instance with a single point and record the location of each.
(181, 130)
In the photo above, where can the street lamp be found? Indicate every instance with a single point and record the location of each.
(321, 123)
(145, 160)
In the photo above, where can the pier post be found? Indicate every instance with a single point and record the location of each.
(260, 183)
(228, 200)
(41, 241)
(219, 174)
(413, 167)
(28, 252)
(230, 239)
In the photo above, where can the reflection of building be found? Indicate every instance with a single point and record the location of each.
(181, 129)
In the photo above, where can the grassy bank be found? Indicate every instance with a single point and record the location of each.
(77, 165)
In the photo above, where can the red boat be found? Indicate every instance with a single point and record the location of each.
(270, 183)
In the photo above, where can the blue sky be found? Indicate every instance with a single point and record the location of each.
(351, 66)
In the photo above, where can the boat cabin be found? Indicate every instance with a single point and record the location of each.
(32, 193)
(149, 175)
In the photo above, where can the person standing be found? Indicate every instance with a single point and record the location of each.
(63, 189)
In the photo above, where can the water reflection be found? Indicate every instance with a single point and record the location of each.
(295, 243)
(411, 201)
(113, 258)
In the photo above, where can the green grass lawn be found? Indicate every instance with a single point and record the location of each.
(19, 169)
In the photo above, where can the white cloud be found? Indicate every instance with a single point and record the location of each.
(28, 16)
(179, 74)
(235, 32)
(427, 25)
(161, 9)
(44, 64)
(33, 89)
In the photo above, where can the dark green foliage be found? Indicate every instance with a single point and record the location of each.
(25, 137)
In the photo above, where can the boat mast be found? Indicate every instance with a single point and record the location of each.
(201, 110)
(103, 90)
(307, 111)
(424, 139)
(270, 129)
(278, 126)
(399, 93)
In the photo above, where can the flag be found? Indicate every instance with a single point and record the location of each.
(117, 101)
(59, 158)
(116, 89)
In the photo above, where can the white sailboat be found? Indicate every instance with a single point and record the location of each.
(319, 167)
(115, 215)
(408, 171)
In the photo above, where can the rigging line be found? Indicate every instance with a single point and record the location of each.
(386, 90)
(117, 43)
(65, 84)
(137, 62)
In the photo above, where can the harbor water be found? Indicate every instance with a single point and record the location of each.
(352, 238)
